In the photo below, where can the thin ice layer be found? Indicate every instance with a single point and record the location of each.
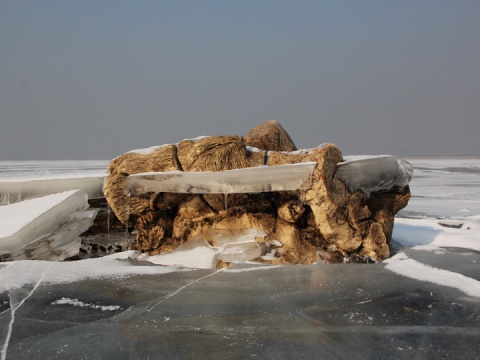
(15, 190)
(372, 174)
(27, 221)
(247, 180)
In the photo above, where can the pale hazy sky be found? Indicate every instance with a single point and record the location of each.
(94, 79)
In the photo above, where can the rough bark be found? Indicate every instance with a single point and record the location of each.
(270, 136)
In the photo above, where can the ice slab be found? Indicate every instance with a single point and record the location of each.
(377, 173)
(247, 180)
(18, 189)
(60, 244)
(44, 228)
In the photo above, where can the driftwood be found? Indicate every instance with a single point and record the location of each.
(322, 221)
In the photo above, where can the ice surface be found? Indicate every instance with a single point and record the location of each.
(247, 180)
(266, 312)
(444, 187)
(44, 228)
(376, 173)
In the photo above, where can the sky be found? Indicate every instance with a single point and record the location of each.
(93, 79)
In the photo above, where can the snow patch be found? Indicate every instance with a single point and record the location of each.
(403, 265)
(416, 232)
(78, 303)
(146, 151)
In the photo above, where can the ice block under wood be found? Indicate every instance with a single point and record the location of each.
(246, 180)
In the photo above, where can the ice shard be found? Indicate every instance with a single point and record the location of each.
(376, 173)
(45, 228)
(246, 180)
(239, 251)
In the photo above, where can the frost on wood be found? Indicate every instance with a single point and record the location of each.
(45, 228)
(316, 205)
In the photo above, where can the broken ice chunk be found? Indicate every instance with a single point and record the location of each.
(246, 180)
(370, 174)
(51, 223)
(239, 251)
(192, 243)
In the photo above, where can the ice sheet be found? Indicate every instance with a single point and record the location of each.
(247, 180)
(24, 180)
(15, 190)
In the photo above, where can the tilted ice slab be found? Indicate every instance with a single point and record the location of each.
(46, 227)
(15, 190)
(246, 180)
(375, 173)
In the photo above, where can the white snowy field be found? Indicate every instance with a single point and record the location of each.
(444, 212)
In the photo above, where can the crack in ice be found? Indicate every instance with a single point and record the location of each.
(182, 288)
(13, 309)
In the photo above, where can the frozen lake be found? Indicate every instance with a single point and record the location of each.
(424, 302)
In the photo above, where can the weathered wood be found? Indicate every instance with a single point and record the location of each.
(270, 136)
(316, 219)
